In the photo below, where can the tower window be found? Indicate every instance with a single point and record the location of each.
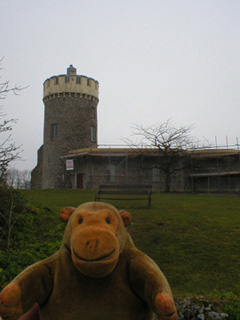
(88, 82)
(66, 79)
(56, 80)
(93, 134)
(53, 131)
(78, 79)
(93, 113)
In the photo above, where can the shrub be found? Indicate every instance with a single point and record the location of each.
(37, 235)
(232, 305)
(13, 206)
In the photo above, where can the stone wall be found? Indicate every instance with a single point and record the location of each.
(36, 174)
(74, 117)
(70, 123)
(121, 170)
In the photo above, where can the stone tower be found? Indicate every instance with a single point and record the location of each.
(70, 122)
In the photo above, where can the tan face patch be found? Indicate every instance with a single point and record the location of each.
(94, 242)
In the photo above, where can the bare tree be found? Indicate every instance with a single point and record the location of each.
(9, 219)
(8, 150)
(19, 179)
(170, 142)
(13, 206)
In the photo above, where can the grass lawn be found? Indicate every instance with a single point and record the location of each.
(193, 238)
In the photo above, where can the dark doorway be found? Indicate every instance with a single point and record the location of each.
(79, 181)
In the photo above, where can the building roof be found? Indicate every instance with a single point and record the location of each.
(103, 152)
(202, 153)
(214, 174)
(127, 151)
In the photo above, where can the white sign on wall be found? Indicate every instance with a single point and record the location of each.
(69, 164)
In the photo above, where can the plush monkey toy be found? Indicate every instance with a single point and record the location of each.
(97, 274)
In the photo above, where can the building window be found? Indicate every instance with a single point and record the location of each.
(88, 82)
(78, 79)
(66, 79)
(111, 176)
(56, 80)
(155, 175)
(53, 131)
(93, 134)
(93, 113)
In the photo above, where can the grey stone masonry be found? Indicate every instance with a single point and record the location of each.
(70, 123)
(36, 174)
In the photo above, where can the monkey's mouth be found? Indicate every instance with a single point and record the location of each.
(94, 260)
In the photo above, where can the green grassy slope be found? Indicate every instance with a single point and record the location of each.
(193, 238)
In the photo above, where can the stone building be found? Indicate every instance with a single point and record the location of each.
(70, 156)
(70, 122)
(94, 166)
(212, 170)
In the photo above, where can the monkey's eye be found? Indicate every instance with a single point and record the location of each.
(80, 220)
(108, 221)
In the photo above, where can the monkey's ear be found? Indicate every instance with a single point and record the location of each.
(66, 213)
(126, 216)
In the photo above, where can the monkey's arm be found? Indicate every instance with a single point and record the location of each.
(34, 284)
(150, 284)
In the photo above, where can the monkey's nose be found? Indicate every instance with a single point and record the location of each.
(92, 245)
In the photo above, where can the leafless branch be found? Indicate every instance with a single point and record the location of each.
(171, 142)
(8, 150)
(5, 87)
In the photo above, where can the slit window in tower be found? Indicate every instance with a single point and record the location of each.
(78, 79)
(93, 112)
(53, 131)
(93, 134)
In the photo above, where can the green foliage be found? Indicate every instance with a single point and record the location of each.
(13, 207)
(37, 235)
(231, 304)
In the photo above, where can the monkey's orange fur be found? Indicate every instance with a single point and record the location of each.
(98, 273)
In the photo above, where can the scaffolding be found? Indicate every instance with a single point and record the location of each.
(211, 170)
(216, 169)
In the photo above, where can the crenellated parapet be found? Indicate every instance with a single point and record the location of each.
(70, 84)
(70, 94)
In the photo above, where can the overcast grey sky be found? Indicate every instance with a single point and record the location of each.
(154, 60)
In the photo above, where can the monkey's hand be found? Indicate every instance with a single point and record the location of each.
(10, 302)
(164, 307)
